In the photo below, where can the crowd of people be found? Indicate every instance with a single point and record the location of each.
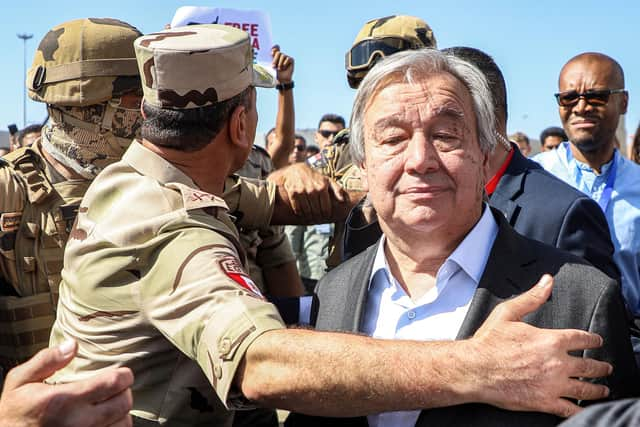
(411, 267)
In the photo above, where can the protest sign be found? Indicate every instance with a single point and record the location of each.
(254, 22)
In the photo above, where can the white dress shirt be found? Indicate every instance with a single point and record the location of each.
(437, 315)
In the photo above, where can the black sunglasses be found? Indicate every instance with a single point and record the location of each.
(592, 97)
(327, 133)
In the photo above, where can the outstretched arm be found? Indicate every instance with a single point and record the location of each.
(507, 363)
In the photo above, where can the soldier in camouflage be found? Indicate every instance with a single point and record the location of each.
(85, 71)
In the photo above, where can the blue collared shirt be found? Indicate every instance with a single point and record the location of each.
(622, 213)
(438, 315)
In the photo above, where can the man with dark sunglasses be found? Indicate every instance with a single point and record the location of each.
(328, 128)
(591, 99)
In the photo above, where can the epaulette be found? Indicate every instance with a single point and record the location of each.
(29, 165)
(261, 150)
(197, 199)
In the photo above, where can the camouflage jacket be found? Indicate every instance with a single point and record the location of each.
(155, 280)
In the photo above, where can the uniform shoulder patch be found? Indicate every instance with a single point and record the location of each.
(232, 267)
(317, 161)
(261, 150)
(10, 221)
(197, 199)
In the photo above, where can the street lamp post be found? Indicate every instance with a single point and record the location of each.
(24, 38)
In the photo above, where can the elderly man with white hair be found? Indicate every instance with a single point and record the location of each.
(422, 131)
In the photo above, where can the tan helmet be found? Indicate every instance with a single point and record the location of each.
(382, 37)
(84, 62)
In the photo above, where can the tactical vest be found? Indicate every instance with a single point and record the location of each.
(32, 256)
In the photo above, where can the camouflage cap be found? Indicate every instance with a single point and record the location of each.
(84, 62)
(382, 37)
(196, 66)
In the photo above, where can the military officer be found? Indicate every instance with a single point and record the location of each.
(154, 279)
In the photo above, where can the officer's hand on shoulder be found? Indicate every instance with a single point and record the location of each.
(103, 400)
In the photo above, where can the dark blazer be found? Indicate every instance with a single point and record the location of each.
(622, 413)
(539, 206)
(583, 298)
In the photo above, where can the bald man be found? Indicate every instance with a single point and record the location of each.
(591, 99)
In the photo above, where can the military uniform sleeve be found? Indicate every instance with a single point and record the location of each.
(275, 248)
(200, 298)
(250, 201)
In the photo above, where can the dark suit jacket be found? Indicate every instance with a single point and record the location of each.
(583, 298)
(622, 413)
(539, 206)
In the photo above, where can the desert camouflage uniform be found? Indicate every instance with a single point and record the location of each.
(154, 275)
(80, 77)
(265, 247)
(168, 296)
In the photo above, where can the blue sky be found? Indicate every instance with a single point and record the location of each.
(530, 41)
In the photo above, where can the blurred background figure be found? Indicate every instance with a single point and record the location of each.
(299, 152)
(28, 135)
(551, 137)
(523, 142)
(328, 127)
(312, 150)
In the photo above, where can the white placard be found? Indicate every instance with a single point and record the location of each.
(254, 22)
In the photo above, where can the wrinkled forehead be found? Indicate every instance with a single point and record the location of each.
(438, 94)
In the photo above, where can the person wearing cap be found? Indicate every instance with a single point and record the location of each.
(85, 71)
(154, 280)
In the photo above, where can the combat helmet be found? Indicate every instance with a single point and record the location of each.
(86, 72)
(382, 37)
(84, 62)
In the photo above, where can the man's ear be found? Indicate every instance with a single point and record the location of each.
(486, 169)
(238, 126)
(625, 102)
(363, 175)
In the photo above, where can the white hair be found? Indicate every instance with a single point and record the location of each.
(409, 67)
